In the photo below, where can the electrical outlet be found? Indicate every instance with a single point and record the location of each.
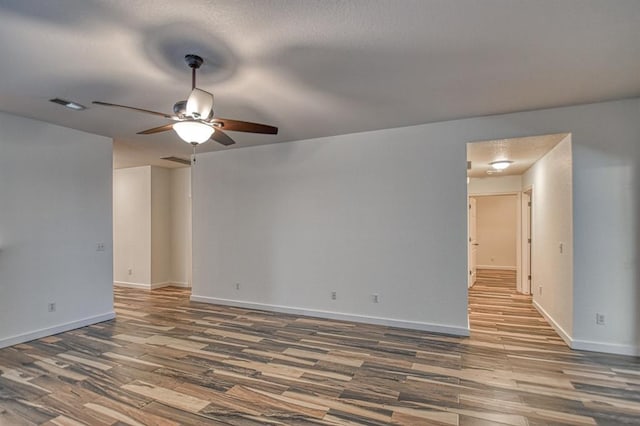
(237, 286)
(539, 290)
(51, 307)
(334, 295)
(130, 271)
(100, 247)
(599, 318)
(375, 297)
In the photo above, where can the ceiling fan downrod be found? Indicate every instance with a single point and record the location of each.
(194, 62)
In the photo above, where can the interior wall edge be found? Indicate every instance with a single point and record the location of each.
(389, 322)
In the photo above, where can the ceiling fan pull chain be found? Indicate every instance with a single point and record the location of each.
(193, 78)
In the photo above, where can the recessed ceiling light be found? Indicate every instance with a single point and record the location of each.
(69, 104)
(500, 164)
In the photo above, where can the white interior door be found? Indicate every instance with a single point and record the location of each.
(473, 242)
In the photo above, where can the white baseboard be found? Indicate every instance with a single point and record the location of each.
(132, 285)
(160, 285)
(412, 325)
(149, 286)
(585, 345)
(563, 334)
(610, 348)
(49, 331)
(180, 284)
(504, 268)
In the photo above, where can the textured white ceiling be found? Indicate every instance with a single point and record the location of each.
(522, 151)
(312, 68)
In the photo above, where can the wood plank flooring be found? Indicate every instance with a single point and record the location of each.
(168, 361)
(499, 314)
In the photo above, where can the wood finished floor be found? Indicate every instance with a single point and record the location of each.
(168, 361)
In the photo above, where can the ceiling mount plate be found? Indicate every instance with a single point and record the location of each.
(194, 61)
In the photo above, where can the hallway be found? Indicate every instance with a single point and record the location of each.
(497, 313)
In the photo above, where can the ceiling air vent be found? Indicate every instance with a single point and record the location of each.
(69, 104)
(178, 160)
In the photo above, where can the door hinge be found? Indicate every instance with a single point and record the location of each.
(529, 240)
(529, 277)
(529, 204)
(469, 206)
(470, 272)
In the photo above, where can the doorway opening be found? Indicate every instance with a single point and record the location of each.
(520, 234)
(494, 220)
(151, 228)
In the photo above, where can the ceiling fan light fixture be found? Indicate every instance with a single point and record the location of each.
(193, 119)
(500, 164)
(199, 104)
(193, 131)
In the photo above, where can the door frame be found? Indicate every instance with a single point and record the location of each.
(471, 277)
(527, 248)
(519, 234)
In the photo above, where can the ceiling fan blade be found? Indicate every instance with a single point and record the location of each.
(245, 126)
(161, 114)
(156, 129)
(222, 138)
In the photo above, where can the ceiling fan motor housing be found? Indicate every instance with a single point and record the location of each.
(180, 108)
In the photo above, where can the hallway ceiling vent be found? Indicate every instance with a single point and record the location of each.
(178, 160)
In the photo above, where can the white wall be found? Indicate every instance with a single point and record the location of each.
(384, 212)
(160, 225)
(552, 217)
(132, 225)
(354, 214)
(181, 226)
(494, 185)
(496, 231)
(55, 195)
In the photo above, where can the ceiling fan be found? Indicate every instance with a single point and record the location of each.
(194, 120)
